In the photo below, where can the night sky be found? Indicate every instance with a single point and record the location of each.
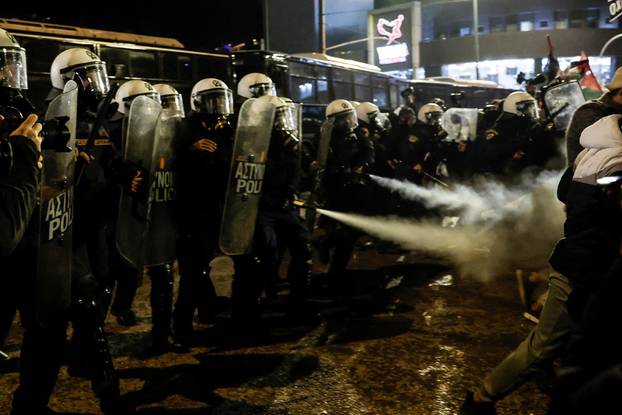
(204, 24)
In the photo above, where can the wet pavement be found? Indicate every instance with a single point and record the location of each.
(411, 338)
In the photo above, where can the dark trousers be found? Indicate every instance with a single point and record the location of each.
(43, 345)
(278, 229)
(196, 250)
(161, 298)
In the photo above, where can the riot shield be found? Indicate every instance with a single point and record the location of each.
(248, 164)
(138, 148)
(562, 101)
(161, 235)
(460, 124)
(326, 132)
(56, 213)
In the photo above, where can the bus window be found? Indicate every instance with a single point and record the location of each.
(322, 92)
(342, 90)
(143, 64)
(169, 65)
(342, 75)
(212, 67)
(176, 66)
(380, 98)
(380, 91)
(184, 68)
(302, 89)
(361, 78)
(394, 93)
(117, 61)
(362, 93)
(39, 53)
(321, 72)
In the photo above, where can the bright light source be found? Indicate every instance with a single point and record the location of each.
(392, 54)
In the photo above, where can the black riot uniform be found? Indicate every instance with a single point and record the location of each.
(201, 184)
(346, 187)
(278, 223)
(43, 343)
(413, 145)
(95, 259)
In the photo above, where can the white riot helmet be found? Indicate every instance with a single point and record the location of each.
(82, 66)
(254, 85)
(13, 73)
(367, 111)
(132, 89)
(343, 114)
(171, 99)
(355, 104)
(521, 104)
(211, 96)
(285, 119)
(430, 114)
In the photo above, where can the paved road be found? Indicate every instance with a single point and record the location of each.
(410, 338)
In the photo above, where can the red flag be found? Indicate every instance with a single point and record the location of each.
(552, 66)
(588, 79)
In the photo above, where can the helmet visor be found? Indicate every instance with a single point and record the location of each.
(285, 119)
(433, 118)
(127, 101)
(94, 78)
(346, 121)
(215, 102)
(13, 68)
(173, 104)
(259, 90)
(528, 109)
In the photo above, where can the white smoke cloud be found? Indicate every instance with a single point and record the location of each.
(500, 229)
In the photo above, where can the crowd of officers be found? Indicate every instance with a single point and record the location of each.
(408, 144)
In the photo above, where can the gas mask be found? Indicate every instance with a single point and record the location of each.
(345, 124)
(528, 109)
(286, 126)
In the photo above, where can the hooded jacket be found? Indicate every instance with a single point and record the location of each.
(592, 231)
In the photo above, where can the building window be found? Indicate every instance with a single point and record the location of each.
(497, 24)
(511, 23)
(526, 22)
(561, 19)
(544, 24)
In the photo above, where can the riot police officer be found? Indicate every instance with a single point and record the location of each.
(414, 140)
(13, 104)
(278, 223)
(255, 85)
(202, 168)
(100, 170)
(344, 181)
(171, 100)
(157, 240)
(512, 143)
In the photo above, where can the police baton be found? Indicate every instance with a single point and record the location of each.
(435, 179)
(102, 113)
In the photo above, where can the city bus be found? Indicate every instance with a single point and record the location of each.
(311, 79)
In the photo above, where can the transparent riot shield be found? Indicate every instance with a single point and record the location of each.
(248, 165)
(161, 235)
(562, 101)
(56, 213)
(138, 149)
(326, 132)
(460, 124)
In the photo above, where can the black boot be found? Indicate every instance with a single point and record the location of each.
(161, 307)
